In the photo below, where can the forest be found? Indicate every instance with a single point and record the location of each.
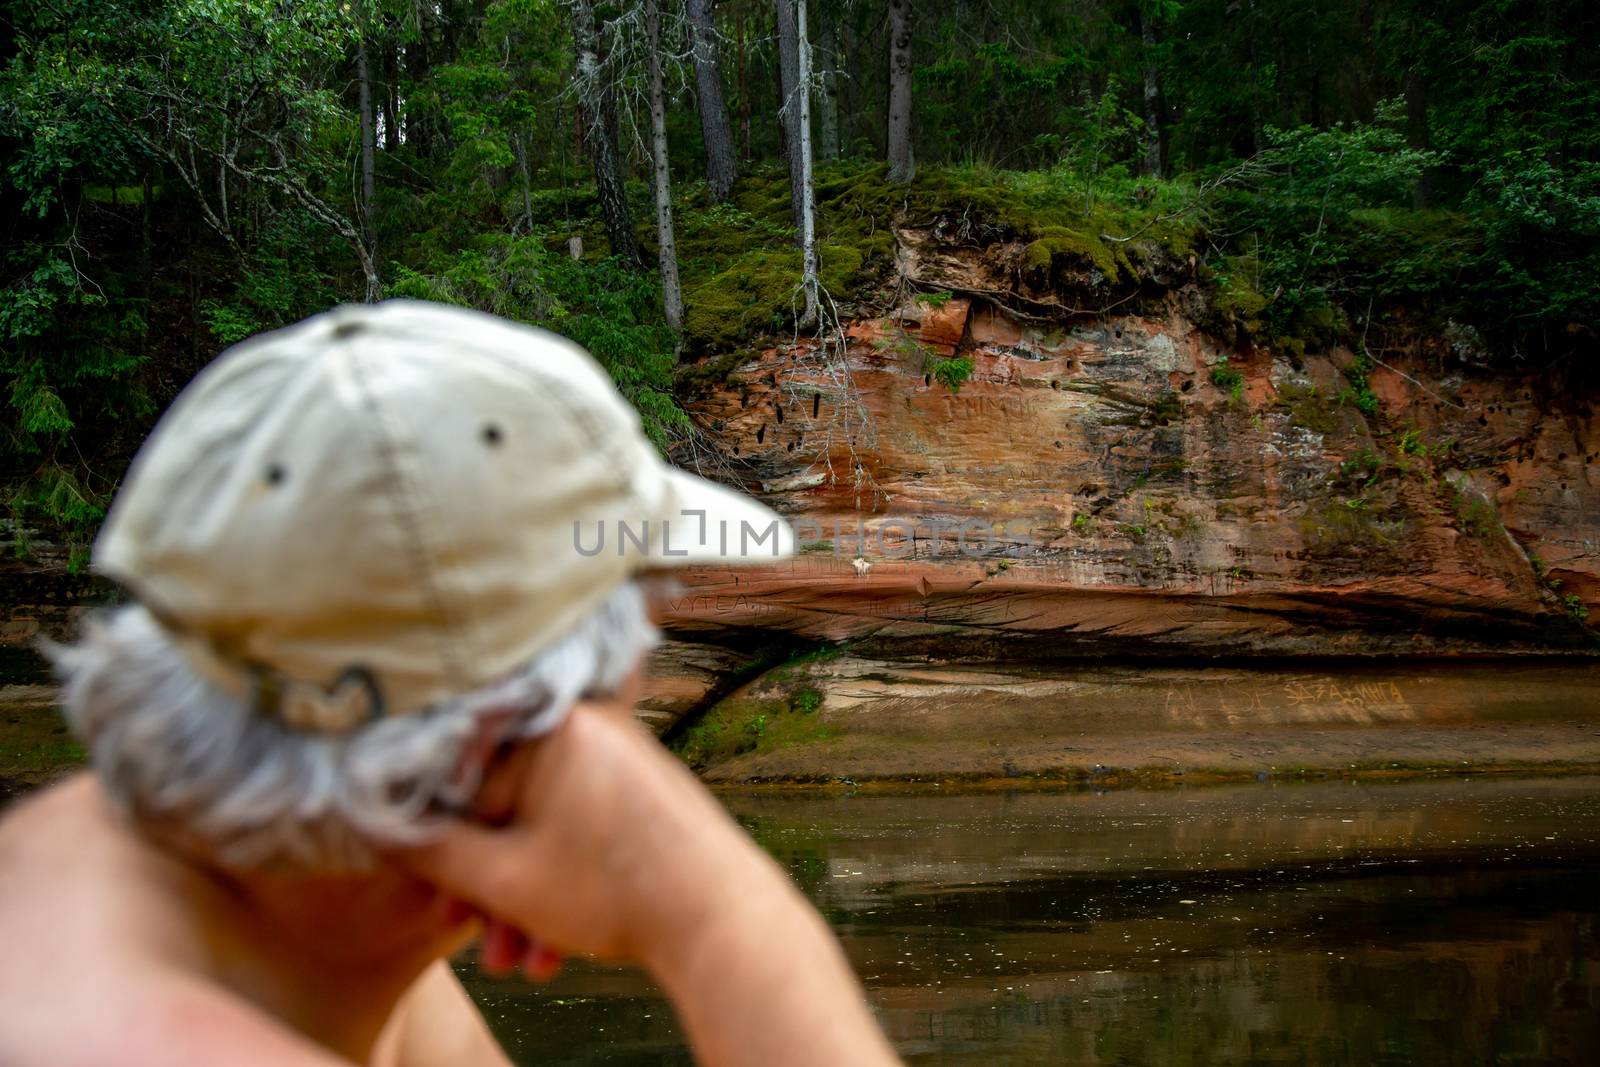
(672, 182)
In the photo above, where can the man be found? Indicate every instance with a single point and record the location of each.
(369, 670)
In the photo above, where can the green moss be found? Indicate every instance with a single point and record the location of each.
(756, 292)
(755, 724)
(806, 702)
(1071, 244)
(732, 304)
(1167, 408)
(692, 378)
(1474, 513)
(1360, 391)
(779, 710)
(35, 745)
(1228, 380)
(740, 268)
(1309, 409)
(1238, 299)
(1352, 522)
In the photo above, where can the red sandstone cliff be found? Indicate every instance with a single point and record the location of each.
(1130, 484)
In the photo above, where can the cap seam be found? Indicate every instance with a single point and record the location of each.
(409, 518)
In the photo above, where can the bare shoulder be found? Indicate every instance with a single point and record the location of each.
(51, 828)
(435, 1024)
(69, 905)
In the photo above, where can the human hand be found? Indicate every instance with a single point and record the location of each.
(594, 840)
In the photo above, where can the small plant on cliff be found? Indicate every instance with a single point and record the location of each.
(806, 701)
(1576, 607)
(952, 372)
(1226, 378)
(1359, 393)
(1365, 465)
(935, 300)
(1474, 513)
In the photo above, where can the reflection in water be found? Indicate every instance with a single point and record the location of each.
(1335, 923)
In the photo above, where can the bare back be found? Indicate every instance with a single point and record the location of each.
(118, 952)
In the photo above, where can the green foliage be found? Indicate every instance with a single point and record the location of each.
(768, 718)
(1360, 392)
(1475, 514)
(1365, 466)
(1314, 250)
(180, 175)
(806, 701)
(1576, 607)
(1102, 134)
(68, 350)
(1229, 380)
(952, 372)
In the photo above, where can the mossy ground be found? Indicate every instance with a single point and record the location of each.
(1152, 777)
(739, 263)
(780, 710)
(34, 743)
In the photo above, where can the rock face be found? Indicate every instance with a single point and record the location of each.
(1129, 485)
(1026, 463)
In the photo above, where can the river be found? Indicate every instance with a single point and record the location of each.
(1434, 921)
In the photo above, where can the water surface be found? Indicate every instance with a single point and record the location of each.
(1330, 923)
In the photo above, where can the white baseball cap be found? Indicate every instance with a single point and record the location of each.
(415, 496)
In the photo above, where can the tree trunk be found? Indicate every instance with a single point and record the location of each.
(1152, 96)
(1258, 138)
(391, 96)
(524, 169)
(902, 165)
(1417, 134)
(828, 97)
(369, 182)
(595, 99)
(791, 91)
(714, 127)
(419, 62)
(744, 88)
(808, 199)
(671, 293)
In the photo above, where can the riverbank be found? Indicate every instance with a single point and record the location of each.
(841, 722)
(849, 721)
(35, 746)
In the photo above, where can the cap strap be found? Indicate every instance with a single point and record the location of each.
(352, 701)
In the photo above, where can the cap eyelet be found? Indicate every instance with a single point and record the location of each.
(276, 474)
(492, 435)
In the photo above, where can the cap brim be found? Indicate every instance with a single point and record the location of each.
(706, 522)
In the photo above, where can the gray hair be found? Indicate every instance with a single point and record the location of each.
(188, 760)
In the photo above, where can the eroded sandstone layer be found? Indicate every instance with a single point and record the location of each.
(1128, 484)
